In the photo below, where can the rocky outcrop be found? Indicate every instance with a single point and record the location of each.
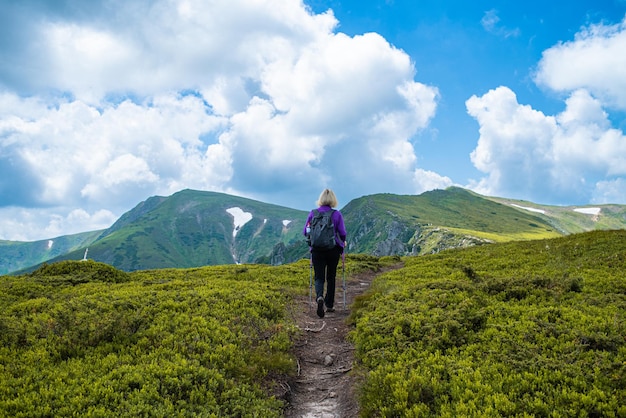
(396, 241)
(278, 254)
(422, 240)
(431, 240)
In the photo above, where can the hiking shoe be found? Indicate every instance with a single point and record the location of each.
(330, 309)
(320, 307)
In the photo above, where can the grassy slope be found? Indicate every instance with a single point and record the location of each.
(85, 339)
(569, 221)
(192, 228)
(454, 209)
(15, 255)
(534, 327)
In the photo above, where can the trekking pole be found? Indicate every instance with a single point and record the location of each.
(311, 281)
(343, 268)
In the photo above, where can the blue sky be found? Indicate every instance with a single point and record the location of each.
(106, 103)
(467, 48)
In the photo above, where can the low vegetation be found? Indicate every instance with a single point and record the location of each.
(84, 339)
(532, 328)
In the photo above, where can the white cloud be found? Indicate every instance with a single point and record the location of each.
(119, 172)
(339, 92)
(20, 224)
(77, 150)
(574, 156)
(544, 158)
(151, 47)
(86, 61)
(236, 96)
(594, 60)
(491, 23)
(429, 180)
(609, 191)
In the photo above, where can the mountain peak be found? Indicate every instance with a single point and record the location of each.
(193, 228)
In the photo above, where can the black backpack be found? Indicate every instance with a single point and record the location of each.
(322, 234)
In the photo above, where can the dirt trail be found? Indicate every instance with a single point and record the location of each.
(324, 386)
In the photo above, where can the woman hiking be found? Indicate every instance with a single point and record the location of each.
(326, 234)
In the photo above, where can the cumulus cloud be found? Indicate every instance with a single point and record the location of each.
(75, 150)
(429, 180)
(609, 191)
(574, 155)
(594, 61)
(105, 106)
(342, 106)
(19, 223)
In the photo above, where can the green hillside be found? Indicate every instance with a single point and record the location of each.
(84, 339)
(371, 219)
(528, 328)
(194, 228)
(573, 219)
(533, 328)
(16, 255)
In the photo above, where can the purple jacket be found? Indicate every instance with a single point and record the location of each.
(340, 227)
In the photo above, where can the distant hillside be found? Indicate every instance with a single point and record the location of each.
(16, 255)
(197, 228)
(573, 219)
(386, 224)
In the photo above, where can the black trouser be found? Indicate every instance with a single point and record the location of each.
(325, 267)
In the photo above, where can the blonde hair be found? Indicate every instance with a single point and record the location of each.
(327, 198)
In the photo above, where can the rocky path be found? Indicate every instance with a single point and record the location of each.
(324, 385)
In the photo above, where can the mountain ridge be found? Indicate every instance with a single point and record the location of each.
(193, 228)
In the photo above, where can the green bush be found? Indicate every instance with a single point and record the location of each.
(83, 271)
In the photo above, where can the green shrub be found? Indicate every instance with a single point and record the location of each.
(83, 271)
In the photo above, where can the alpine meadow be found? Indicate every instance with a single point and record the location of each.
(312, 209)
(480, 307)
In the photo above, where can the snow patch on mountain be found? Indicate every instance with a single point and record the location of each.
(240, 218)
(588, 211)
(529, 209)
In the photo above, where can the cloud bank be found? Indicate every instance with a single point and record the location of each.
(106, 103)
(104, 106)
(575, 156)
